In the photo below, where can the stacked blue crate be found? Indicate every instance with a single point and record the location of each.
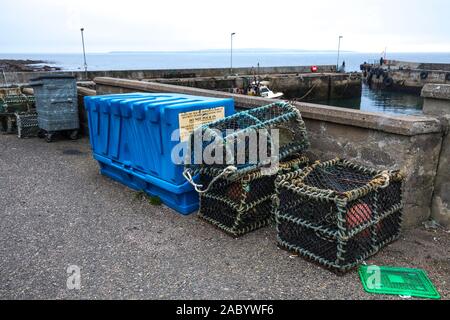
(132, 139)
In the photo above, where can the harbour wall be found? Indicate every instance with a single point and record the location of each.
(409, 143)
(410, 80)
(437, 103)
(20, 78)
(308, 86)
(406, 76)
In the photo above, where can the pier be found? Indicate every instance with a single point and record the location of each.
(411, 143)
(405, 76)
(294, 82)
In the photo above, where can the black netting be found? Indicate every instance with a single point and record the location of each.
(360, 212)
(233, 191)
(261, 213)
(260, 188)
(389, 228)
(316, 197)
(337, 178)
(240, 191)
(322, 246)
(233, 221)
(357, 247)
(251, 187)
(251, 193)
(389, 198)
(218, 211)
(308, 240)
(318, 213)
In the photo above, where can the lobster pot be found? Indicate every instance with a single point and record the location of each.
(27, 125)
(338, 213)
(11, 104)
(11, 91)
(248, 140)
(16, 103)
(242, 204)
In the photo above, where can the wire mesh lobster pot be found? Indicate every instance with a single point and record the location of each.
(9, 91)
(247, 140)
(27, 125)
(9, 106)
(338, 213)
(17, 103)
(239, 205)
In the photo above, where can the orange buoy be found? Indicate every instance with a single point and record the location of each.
(358, 215)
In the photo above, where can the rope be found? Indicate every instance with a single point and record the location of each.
(387, 179)
(226, 172)
(308, 93)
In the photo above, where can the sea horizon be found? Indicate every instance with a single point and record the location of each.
(218, 58)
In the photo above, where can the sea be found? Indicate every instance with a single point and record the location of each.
(392, 103)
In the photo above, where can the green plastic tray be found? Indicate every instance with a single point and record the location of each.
(397, 281)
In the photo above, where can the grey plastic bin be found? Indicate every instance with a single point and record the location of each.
(56, 105)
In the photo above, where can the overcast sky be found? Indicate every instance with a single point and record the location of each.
(44, 26)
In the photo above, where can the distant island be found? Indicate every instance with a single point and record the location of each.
(242, 50)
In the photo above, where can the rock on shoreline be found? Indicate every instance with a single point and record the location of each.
(10, 65)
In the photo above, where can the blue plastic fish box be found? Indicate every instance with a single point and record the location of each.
(133, 136)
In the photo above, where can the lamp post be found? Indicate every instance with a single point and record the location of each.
(339, 52)
(4, 77)
(231, 54)
(84, 54)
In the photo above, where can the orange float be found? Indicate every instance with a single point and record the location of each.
(358, 215)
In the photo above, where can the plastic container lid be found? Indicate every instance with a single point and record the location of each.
(397, 281)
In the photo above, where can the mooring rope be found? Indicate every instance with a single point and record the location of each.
(307, 94)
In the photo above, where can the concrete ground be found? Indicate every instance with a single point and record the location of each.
(56, 210)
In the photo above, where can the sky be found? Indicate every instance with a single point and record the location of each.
(53, 26)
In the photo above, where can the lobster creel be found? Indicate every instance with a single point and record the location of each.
(247, 140)
(338, 213)
(241, 204)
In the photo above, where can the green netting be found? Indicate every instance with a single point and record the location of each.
(397, 281)
(16, 103)
(242, 136)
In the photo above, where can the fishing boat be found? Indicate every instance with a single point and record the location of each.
(261, 88)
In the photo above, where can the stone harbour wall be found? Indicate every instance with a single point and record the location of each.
(24, 77)
(437, 103)
(308, 86)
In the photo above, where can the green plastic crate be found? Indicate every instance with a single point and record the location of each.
(397, 281)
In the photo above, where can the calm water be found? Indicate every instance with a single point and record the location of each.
(394, 103)
(218, 59)
(382, 101)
